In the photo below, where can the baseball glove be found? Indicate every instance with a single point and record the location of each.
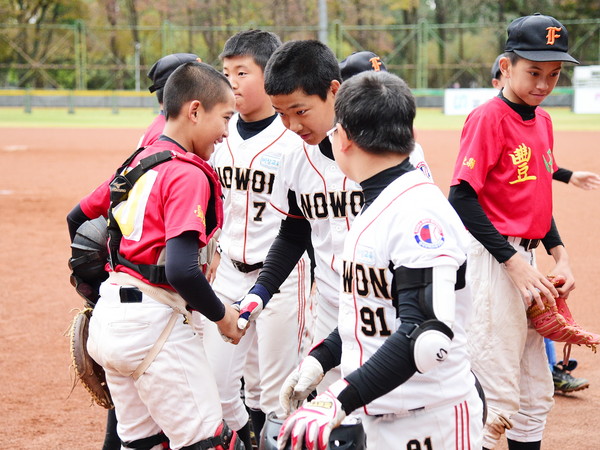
(557, 324)
(90, 373)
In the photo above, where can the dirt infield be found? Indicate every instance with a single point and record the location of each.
(44, 173)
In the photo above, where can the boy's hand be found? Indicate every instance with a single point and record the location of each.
(530, 282)
(585, 180)
(228, 325)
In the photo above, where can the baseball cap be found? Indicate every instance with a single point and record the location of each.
(539, 38)
(166, 65)
(496, 67)
(359, 62)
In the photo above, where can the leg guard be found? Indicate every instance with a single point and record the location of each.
(148, 443)
(224, 439)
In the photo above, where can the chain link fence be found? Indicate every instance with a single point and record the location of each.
(426, 55)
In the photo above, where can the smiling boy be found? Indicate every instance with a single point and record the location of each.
(502, 191)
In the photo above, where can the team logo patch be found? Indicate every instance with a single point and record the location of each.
(429, 234)
(200, 214)
(270, 162)
(423, 168)
(365, 255)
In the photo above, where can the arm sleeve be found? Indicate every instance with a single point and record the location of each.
(184, 274)
(74, 220)
(552, 238)
(563, 175)
(329, 351)
(464, 200)
(391, 365)
(286, 250)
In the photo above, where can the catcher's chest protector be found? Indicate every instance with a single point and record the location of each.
(119, 191)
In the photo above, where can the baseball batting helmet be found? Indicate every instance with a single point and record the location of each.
(89, 252)
(165, 66)
(348, 436)
(359, 62)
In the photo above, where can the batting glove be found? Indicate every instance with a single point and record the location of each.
(311, 425)
(300, 383)
(252, 305)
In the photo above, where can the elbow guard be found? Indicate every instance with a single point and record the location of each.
(430, 344)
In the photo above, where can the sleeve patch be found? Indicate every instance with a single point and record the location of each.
(429, 234)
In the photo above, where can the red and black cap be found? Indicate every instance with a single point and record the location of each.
(166, 65)
(359, 62)
(539, 38)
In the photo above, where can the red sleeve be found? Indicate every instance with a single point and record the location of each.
(97, 202)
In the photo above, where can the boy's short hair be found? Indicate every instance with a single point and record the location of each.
(194, 81)
(307, 65)
(161, 69)
(539, 38)
(377, 110)
(258, 44)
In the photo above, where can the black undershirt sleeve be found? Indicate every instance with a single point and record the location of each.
(563, 175)
(184, 274)
(392, 364)
(552, 238)
(286, 250)
(329, 351)
(464, 200)
(75, 219)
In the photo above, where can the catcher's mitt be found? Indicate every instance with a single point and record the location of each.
(557, 324)
(90, 373)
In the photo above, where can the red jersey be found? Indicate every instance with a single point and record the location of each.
(509, 163)
(165, 202)
(153, 131)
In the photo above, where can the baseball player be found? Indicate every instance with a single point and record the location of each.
(158, 74)
(247, 163)
(143, 331)
(313, 196)
(561, 371)
(502, 190)
(403, 303)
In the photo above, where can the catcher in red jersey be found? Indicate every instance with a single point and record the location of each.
(502, 191)
(403, 304)
(143, 330)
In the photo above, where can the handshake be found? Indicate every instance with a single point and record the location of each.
(241, 313)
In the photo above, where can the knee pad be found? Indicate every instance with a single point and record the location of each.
(430, 344)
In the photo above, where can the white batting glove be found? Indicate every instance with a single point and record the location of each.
(311, 425)
(300, 383)
(250, 307)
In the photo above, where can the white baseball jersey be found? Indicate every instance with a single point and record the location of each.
(329, 201)
(409, 224)
(247, 169)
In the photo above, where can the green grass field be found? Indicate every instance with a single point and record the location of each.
(427, 118)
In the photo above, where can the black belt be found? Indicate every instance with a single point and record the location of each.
(527, 244)
(246, 268)
(130, 294)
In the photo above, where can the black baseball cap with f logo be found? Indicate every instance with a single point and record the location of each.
(539, 38)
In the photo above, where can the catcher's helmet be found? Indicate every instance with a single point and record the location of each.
(348, 436)
(89, 252)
